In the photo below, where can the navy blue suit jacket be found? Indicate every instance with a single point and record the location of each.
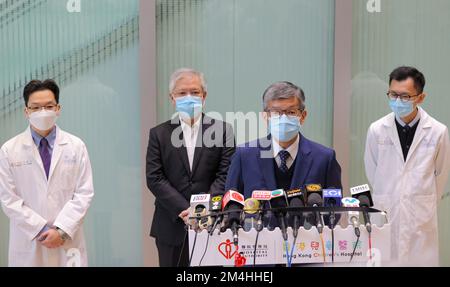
(253, 167)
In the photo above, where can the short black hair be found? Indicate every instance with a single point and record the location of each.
(403, 73)
(37, 85)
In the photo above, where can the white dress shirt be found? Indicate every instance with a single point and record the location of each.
(292, 150)
(190, 135)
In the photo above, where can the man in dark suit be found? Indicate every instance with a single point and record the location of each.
(188, 155)
(285, 159)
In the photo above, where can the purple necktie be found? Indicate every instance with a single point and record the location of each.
(45, 155)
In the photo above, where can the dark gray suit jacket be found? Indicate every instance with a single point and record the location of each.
(169, 176)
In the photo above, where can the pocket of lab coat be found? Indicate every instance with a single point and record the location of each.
(423, 210)
(424, 158)
(24, 259)
(382, 202)
(421, 174)
(69, 175)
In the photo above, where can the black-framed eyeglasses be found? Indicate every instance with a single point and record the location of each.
(403, 97)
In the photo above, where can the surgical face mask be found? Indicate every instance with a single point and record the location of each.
(284, 128)
(401, 109)
(43, 120)
(189, 107)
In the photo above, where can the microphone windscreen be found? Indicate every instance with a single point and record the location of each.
(315, 199)
(235, 213)
(296, 202)
(251, 206)
(364, 201)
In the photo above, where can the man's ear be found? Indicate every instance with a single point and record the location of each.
(265, 116)
(25, 112)
(58, 110)
(422, 98)
(304, 116)
(172, 100)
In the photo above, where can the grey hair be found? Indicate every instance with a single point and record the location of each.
(181, 73)
(283, 90)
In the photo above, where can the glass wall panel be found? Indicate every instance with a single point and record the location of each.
(243, 46)
(405, 32)
(93, 55)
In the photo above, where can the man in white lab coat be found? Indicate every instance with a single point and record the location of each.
(407, 163)
(45, 186)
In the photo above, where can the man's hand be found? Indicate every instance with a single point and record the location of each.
(51, 239)
(184, 215)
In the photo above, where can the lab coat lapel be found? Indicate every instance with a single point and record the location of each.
(33, 152)
(422, 130)
(58, 147)
(393, 134)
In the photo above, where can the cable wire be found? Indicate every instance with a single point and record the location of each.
(323, 248)
(354, 249)
(288, 263)
(182, 247)
(193, 248)
(254, 250)
(332, 245)
(292, 250)
(206, 249)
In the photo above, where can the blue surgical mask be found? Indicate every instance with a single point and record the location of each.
(284, 128)
(400, 108)
(189, 107)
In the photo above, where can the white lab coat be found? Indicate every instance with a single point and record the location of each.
(409, 191)
(31, 201)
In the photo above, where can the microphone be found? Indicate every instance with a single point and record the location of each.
(251, 210)
(215, 207)
(262, 196)
(332, 198)
(199, 207)
(233, 201)
(251, 206)
(296, 199)
(279, 200)
(362, 193)
(353, 216)
(314, 199)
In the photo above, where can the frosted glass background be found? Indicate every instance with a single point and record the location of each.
(244, 46)
(406, 32)
(93, 55)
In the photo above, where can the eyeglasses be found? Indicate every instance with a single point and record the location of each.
(47, 108)
(403, 97)
(194, 93)
(289, 113)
